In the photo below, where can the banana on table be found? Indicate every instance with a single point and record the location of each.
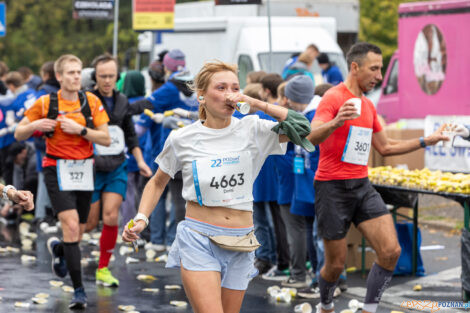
(436, 181)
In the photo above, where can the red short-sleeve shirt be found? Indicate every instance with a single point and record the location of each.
(330, 166)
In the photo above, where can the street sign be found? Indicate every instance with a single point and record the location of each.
(220, 2)
(153, 15)
(3, 19)
(93, 9)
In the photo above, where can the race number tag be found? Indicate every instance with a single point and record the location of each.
(223, 180)
(117, 142)
(357, 146)
(299, 165)
(75, 175)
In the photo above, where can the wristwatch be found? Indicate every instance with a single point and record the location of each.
(421, 142)
(84, 131)
(142, 217)
(5, 191)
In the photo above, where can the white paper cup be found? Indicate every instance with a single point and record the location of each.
(283, 297)
(243, 107)
(357, 104)
(451, 135)
(303, 308)
(273, 289)
(355, 305)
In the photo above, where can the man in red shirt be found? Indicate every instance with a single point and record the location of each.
(344, 194)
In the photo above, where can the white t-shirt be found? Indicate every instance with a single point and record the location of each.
(221, 159)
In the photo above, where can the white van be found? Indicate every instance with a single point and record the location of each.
(244, 41)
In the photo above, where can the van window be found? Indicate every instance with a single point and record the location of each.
(245, 65)
(392, 83)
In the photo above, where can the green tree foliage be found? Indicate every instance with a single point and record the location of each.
(40, 31)
(379, 24)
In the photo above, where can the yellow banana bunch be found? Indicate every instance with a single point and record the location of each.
(425, 179)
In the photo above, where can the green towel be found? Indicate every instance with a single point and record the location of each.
(296, 127)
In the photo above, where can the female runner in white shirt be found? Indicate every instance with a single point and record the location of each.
(220, 157)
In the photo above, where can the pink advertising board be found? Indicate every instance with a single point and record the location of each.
(434, 61)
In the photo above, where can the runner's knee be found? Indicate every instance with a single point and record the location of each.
(389, 255)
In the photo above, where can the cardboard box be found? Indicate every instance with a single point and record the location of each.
(413, 160)
(354, 236)
(404, 211)
(370, 258)
(375, 158)
(351, 256)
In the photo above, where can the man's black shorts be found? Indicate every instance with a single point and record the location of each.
(66, 200)
(340, 202)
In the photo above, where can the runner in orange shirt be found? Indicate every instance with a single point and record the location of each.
(343, 193)
(72, 121)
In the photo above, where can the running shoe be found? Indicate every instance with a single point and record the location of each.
(154, 246)
(291, 282)
(262, 266)
(309, 293)
(59, 267)
(342, 283)
(105, 278)
(79, 299)
(276, 275)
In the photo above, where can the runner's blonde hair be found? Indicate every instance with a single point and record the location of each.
(203, 78)
(59, 63)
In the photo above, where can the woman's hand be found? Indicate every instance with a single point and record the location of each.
(129, 235)
(234, 98)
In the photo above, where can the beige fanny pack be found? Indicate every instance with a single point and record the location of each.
(245, 243)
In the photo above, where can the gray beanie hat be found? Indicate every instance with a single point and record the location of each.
(300, 89)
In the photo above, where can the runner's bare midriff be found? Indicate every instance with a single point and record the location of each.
(220, 216)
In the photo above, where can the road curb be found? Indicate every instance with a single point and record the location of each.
(438, 225)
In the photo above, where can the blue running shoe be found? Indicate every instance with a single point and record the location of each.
(59, 267)
(79, 299)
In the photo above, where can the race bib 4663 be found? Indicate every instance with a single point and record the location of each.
(223, 180)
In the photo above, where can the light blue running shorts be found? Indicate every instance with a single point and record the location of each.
(197, 253)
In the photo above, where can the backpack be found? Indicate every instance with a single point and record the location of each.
(54, 110)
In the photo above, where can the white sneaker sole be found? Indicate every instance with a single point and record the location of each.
(102, 283)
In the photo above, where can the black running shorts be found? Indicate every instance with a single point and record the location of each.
(340, 202)
(66, 200)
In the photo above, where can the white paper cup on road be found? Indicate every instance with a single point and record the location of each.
(273, 290)
(303, 308)
(451, 135)
(283, 297)
(355, 305)
(357, 104)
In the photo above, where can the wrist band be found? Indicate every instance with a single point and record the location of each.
(5, 191)
(141, 217)
(421, 142)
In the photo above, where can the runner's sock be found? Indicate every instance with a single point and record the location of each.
(59, 249)
(377, 281)
(107, 244)
(327, 289)
(73, 257)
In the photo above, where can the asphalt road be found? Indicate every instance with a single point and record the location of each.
(20, 282)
